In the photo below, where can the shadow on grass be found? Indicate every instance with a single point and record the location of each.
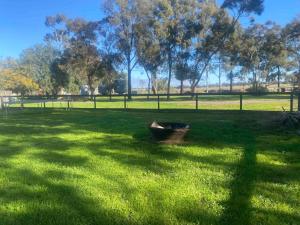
(238, 207)
(209, 129)
(62, 204)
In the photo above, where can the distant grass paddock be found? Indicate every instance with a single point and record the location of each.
(267, 102)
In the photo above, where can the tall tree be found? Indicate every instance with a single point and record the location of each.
(219, 26)
(58, 35)
(177, 23)
(36, 63)
(182, 69)
(292, 35)
(148, 48)
(275, 55)
(80, 52)
(230, 55)
(123, 16)
(250, 55)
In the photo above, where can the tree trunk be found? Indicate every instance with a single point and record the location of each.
(220, 76)
(299, 79)
(206, 81)
(149, 86)
(129, 77)
(254, 82)
(278, 79)
(193, 88)
(153, 81)
(90, 85)
(149, 83)
(181, 87)
(170, 74)
(92, 89)
(22, 100)
(231, 83)
(110, 93)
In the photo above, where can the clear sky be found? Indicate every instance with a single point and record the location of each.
(22, 21)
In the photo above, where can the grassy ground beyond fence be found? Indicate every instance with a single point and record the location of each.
(270, 102)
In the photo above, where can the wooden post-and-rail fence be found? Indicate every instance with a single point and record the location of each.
(42, 100)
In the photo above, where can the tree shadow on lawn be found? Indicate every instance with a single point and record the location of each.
(223, 132)
(256, 139)
(56, 203)
(45, 200)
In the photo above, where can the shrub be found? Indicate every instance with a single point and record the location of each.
(290, 119)
(260, 89)
(120, 86)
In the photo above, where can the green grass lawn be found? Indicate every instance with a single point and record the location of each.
(84, 167)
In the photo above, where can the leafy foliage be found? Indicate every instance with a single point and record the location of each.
(36, 62)
(17, 81)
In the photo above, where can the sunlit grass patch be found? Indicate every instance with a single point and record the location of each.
(102, 167)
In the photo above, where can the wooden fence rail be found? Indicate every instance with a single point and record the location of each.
(69, 99)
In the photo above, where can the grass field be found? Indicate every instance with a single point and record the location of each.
(212, 102)
(85, 167)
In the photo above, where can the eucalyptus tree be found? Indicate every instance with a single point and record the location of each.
(58, 35)
(230, 55)
(177, 22)
(36, 63)
(60, 78)
(219, 25)
(274, 55)
(109, 72)
(182, 69)
(151, 60)
(292, 34)
(230, 66)
(80, 51)
(250, 56)
(219, 75)
(148, 48)
(123, 16)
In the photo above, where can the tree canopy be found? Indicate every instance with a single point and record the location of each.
(168, 39)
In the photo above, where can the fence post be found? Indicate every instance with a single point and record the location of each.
(299, 102)
(158, 102)
(68, 104)
(241, 102)
(44, 104)
(22, 102)
(125, 105)
(197, 104)
(292, 102)
(95, 103)
(2, 103)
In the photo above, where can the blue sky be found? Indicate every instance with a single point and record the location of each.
(22, 21)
